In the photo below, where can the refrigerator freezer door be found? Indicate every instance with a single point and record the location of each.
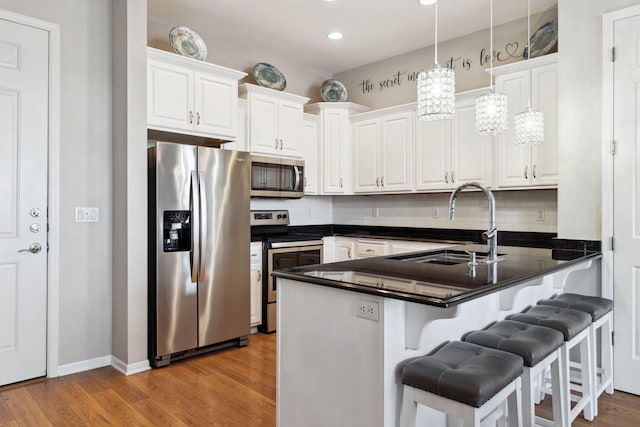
(224, 294)
(176, 296)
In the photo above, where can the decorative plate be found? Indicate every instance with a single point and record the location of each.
(333, 91)
(269, 76)
(187, 42)
(544, 40)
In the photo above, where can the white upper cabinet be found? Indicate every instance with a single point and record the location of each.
(336, 143)
(275, 121)
(383, 150)
(240, 144)
(449, 152)
(311, 153)
(532, 165)
(191, 97)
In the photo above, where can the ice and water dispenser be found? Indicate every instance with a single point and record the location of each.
(176, 227)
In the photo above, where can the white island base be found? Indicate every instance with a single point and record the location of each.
(337, 369)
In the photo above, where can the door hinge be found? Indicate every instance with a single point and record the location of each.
(612, 243)
(613, 341)
(613, 54)
(613, 147)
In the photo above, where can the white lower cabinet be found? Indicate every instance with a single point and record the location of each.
(345, 248)
(256, 283)
(368, 248)
(449, 152)
(328, 249)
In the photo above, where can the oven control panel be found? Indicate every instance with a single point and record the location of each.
(270, 217)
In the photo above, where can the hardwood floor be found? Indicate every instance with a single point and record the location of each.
(233, 387)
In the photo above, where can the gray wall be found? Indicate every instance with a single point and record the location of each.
(85, 170)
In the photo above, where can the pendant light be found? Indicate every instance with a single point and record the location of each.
(529, 123)
(436, 88)
(491, 108)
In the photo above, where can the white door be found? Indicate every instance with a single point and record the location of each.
(23, 210)
(626, 256)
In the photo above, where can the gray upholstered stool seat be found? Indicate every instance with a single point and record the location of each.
(595, 306)
(539, 347)
(601, 312)
(532, 343)
(575, 327)
(569, 322)
(463, 380)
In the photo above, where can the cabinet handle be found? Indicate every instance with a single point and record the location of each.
(533, 171)
(446, 177)
(382, 181)
(369, 251)
(190, 117)
(276, 146)
(377, 181)
(259, 275)
(197, 118)
(453, 177)
(526, 172)
(305, 181)
(349, 253)
(340, 182)
(281, 144)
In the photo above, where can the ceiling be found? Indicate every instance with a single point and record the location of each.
(373, 29)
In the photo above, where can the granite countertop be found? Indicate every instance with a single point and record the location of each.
(443, 282)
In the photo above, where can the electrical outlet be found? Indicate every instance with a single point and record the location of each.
(540, 215)
(434, 213)
(375, 212)
(367, 309)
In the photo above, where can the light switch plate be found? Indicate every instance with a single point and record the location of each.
(87, 214)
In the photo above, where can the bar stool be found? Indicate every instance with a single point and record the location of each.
(574, 326)
(601, 312)
(539, 347)
(463, 380)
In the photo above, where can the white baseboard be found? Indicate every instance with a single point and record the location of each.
(84, 365)
(101, 362)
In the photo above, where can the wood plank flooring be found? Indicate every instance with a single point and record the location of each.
(233, 387)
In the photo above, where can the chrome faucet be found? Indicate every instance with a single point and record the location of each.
(491, 235)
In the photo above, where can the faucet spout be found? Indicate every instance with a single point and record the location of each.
(491, 235)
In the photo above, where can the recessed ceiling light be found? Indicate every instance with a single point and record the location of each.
(426, 2)
(335, 35)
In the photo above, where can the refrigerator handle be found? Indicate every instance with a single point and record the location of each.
(296, 184)
(203, 222)
(195, 227)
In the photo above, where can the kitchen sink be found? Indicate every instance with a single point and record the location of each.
(449, 257)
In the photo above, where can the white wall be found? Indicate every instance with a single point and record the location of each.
(580, 116)
(85, 170)
(515, 210)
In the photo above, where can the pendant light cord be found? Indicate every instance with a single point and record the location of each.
(529, 51)
(491, 44)
(436, 38)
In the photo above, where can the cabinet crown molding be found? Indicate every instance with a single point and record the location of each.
(246, 88)
(525, 64)
(349, 107)
(153, 53)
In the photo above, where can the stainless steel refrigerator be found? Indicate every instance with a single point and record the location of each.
(199, 239)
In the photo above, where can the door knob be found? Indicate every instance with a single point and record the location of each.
(34, 248)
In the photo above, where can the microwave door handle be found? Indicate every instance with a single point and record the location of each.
(195, 227)
(296, 184)
(203, 223)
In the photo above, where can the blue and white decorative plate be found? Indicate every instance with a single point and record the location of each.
(333, 91)
(544, 40)
(187, 42)
(269, 76)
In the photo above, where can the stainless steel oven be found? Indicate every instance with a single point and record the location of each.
(282, 248)
(277, 177)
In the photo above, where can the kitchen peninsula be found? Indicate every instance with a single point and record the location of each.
(343, 328)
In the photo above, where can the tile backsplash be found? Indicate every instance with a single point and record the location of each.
(530, 210)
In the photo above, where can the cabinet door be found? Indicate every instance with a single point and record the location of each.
(263, 124)
(513, 163)
(544, 163)
(396, 148)
(471, 153)
(216, 106)
(334, 160)
(311, 154)
(169, 96)
(344, 251)
(290, 122)
(433, 155)
(366, 155)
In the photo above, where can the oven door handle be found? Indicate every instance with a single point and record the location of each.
(296, 184)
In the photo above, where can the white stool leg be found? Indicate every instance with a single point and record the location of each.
(528, 393)
(514, 402)
(607, 353)
(564, 388)
(409, 408)
(558, 397)
(594, 377)
(587, 365)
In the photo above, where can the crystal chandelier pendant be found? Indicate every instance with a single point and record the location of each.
(491, 113)
(529, 127)
(436, 93)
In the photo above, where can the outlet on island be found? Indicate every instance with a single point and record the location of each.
(367, 309)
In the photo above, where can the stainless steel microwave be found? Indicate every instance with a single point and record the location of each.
(277, 177)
